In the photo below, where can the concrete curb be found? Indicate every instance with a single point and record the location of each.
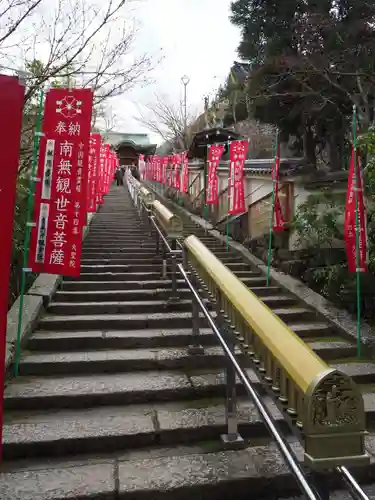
(36, 300)
(340, 318)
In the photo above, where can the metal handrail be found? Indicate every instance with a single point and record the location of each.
(282, 443)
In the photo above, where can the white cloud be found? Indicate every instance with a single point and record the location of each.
(196, 39)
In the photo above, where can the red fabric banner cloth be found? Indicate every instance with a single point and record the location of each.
(93, 173)
(185, 172)
(165, 162)
(355, 183)
(215, 153)
(176, 177)
(61, 196)
(11, 103)
(278, 223)
(236, 188)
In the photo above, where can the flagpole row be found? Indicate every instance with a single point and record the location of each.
(30, 205)
(274, 184)
(357, 230)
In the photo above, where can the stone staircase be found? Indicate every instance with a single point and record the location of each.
(110, 405)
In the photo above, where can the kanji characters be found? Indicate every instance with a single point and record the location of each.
(57, 257)
(61, 220)
(74, 129)
(65, 167)
(62, 203)
(63, 185)
(60, 127)
(66, 149)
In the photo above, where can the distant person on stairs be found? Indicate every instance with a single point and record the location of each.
(134, 172)
(119, 176)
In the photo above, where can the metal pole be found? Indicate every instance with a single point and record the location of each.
(26, 249)
(185, 107)
(232, 439)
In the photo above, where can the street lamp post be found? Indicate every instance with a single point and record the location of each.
(185, 81)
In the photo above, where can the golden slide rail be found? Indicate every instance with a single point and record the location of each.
(324, 403)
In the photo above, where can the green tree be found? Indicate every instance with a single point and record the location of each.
(311, 61)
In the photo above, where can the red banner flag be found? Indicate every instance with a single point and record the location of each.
(212, 191)
(350, 237)
(236, 188)
(165, 161)
(278, 224)
(185, 173)
(176, 178)
(93, 175)
(61, 196)
(11, 103)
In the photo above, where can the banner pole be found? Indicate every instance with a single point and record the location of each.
(272, 214)
(357, 229)
(26, 248)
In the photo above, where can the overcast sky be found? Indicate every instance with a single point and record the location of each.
(191, 37)
(196, 38)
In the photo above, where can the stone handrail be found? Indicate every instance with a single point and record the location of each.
(323, 403)
(168, 221)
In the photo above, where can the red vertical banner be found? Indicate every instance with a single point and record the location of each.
(236, 188)
(355, 183)
(61, 194)
(94, 157)
(11, 101)
(101, 178)
(185, 173)
(164, 162)
(215, 153)
(278, 223)
(158, 166)
(176, 171)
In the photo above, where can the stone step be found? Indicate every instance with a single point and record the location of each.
(112, 276)
(116, 361)
(44, 341)
(122, 260)
(124, 238)
(360, 372)
(118, 285)
(312, 329)
(129, 255)
(180, 473)
(128, 307)
(114, 428)
(156, 320)
(115, 244)
(332, 350)
(86, 390)
(118, 295)
(122, 268)
(118, 321)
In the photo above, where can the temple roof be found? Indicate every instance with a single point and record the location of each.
(206, 137)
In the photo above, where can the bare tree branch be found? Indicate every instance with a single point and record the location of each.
(168, 121)
(12, 15)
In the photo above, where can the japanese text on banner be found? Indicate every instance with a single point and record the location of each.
(215, 153)
(236, 188)
(350, 224)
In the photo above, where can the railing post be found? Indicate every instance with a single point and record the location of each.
(164, 263)
(174, 269)
(232, 439)
(195, 347)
